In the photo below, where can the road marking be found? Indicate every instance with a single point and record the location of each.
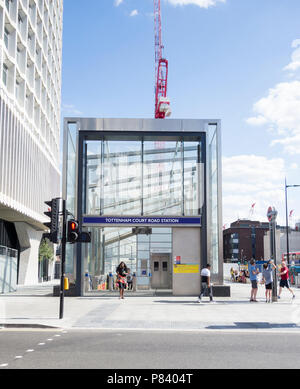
(29, 350)
(4, 365)
(18, 356)
(50, 339)
(41, 344)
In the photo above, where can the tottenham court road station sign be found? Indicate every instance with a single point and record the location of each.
(129, 221)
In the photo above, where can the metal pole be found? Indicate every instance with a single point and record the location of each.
(287, 225)
(274, 289)
(272, 215)
(63, 261)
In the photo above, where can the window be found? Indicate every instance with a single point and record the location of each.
(7, 3)
(17, 89)
(6, 37)
(20, 21)
(5, 74)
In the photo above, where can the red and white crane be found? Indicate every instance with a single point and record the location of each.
(162, 103)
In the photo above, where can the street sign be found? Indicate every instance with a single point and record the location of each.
(271, 214)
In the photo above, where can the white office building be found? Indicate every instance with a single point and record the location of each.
(30, 90)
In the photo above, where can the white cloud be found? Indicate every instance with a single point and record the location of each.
(295, 62)
(295, 43)
(199, 3)
(249, 179)
(134, 12)
(70, 109)
(281, 110)
(257, 120)
(118, 2)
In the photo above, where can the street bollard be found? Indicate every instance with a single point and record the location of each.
(66, 283)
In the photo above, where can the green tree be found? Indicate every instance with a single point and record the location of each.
(46, 250)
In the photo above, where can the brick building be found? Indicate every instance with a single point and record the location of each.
(244, 240)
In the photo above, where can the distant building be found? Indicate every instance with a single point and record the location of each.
(30, 90)
(281, 243)
(243, 240)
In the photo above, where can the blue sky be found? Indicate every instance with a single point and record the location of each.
(234, 60)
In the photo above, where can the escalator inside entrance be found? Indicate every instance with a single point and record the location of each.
(148, 258)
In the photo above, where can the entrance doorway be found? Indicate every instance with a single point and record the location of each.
(161, 271)
(147, 256)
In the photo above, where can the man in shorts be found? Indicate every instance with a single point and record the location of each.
(253, 271)
(267, 274)
(284, 281)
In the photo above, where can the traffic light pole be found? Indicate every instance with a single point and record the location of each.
(63, 258)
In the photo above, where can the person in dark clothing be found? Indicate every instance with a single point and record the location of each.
(122, 272)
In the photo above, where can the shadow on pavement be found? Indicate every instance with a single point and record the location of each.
(206, 302)
(252, 325)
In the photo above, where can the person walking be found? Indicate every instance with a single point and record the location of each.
(206, 286)
(284, 281)
(129, 280)
(121, 278)
(253, 271)
(267, 278)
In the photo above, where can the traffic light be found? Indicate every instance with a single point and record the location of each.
(73, 231)
(53, 224)
(85, 237)
(75, 235)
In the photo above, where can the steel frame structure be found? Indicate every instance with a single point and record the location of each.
(161, 67)
(89, 129)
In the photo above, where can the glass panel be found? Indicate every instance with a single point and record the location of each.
(160, 238)
(71, 166)
(122, 178)
(160, 245)
(156, 266)
(93, 177)
(213, 183)
(192, 178)
(162, 175)
(70, 189)
(143, 254)
(163, 181)
(165, 266)
(108, 247)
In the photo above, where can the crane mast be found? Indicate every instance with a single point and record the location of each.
(162, 103)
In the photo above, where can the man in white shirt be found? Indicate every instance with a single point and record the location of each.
(205, 283)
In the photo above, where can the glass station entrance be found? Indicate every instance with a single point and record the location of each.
(147, 256)
(132, 183)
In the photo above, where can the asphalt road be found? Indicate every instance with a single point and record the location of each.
(99, 349)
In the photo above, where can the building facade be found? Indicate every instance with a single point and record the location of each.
(281, 244)
(149, 191)
(244, 240)
(30, 90)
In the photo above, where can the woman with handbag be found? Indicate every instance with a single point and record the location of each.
(122, 272)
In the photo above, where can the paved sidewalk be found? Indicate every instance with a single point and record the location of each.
(36, 307)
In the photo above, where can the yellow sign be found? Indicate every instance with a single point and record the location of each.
(186, 268)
